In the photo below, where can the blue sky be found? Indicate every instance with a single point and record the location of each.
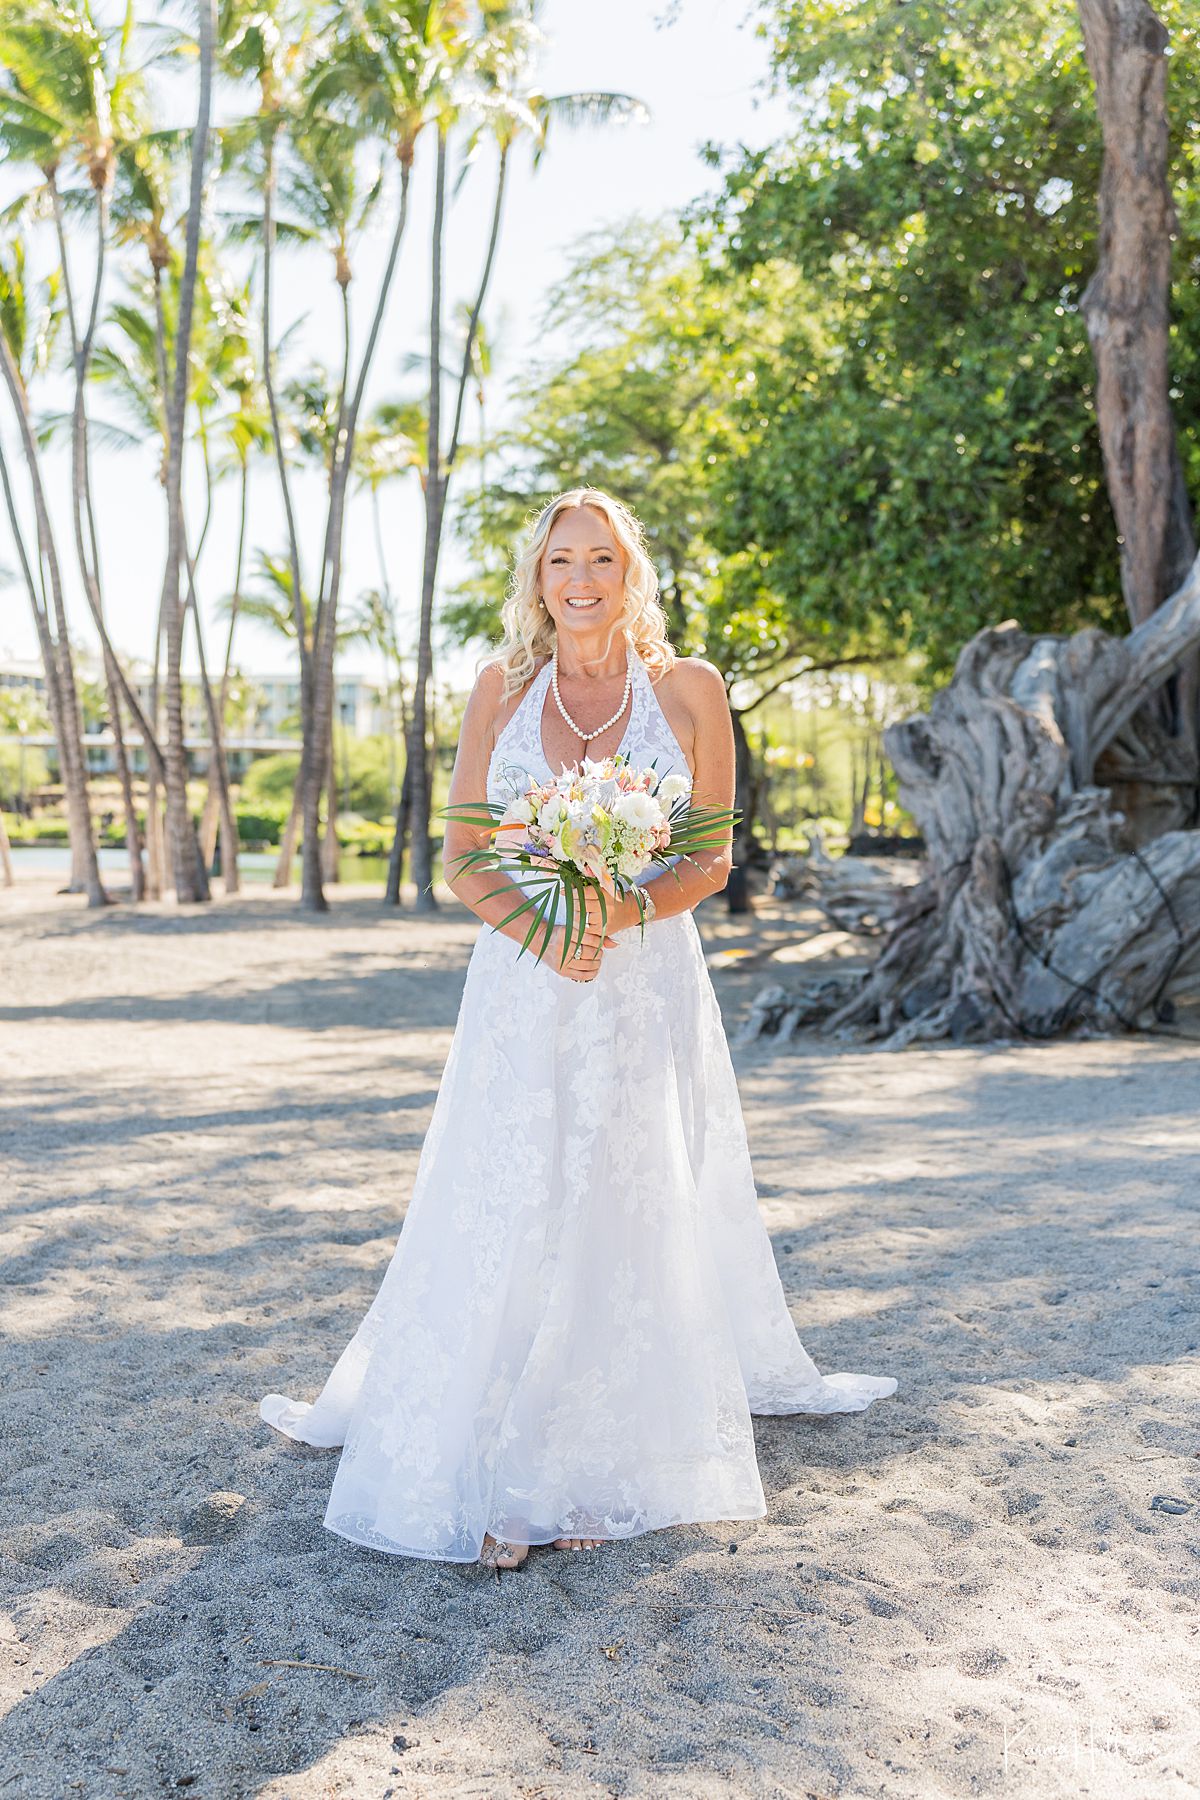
(701, 71)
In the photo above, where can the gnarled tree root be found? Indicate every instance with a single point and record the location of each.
(1044, 909)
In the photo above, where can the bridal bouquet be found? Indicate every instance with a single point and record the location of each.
(597, 826)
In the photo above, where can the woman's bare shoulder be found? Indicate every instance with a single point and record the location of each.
(699, 684)
(489, 707)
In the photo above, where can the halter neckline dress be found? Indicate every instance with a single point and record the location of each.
(583, 1310)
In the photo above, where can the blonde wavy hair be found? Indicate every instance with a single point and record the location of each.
(530, 632)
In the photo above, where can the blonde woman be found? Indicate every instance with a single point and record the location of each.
(583, 1310)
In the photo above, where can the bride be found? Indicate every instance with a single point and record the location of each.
(583, 1310)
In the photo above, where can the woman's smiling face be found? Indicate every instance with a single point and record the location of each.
(582, 574)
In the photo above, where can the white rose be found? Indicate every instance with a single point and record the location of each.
(519, 811)
(638, 809)
(552, 814)
(672, 788)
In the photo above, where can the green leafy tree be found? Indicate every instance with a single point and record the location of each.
(641, 406)
(916, 449)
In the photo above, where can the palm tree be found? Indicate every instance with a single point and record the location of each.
(142, 202)
(389, 71)
(270, 43)
(73, 98)
(505, 105)
(24, 344)
(245, 430)
(140, 208)
(267, 41)
(129, 364)
(190, 877)
(223, 368)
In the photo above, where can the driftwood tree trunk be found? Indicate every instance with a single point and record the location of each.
(1040, 911)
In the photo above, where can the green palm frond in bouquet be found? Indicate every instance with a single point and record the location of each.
(594, 828)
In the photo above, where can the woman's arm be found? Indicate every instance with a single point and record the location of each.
(468, 787)
(490, 894)
(682, 888)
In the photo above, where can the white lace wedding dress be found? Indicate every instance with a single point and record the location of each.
(583, 1309)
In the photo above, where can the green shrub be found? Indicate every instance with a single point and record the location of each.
(261, 824)
(271, 778)
(366, 770)
(364, 837)
(372, 768)
(50, 829)
(36, 771)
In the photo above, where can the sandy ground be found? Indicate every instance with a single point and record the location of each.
(985, 1584)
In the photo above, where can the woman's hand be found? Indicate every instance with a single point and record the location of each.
(596, 941)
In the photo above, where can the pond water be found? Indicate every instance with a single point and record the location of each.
(255, 866)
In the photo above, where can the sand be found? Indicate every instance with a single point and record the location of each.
(986, 1584)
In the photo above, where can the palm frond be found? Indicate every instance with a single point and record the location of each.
(246, 228)
(55, 428)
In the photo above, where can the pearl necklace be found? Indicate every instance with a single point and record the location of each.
(587, 736)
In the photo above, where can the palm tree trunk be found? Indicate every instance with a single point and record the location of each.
(329, 843)
(5, 855)
(156, 844)
(745, 800)
(218, 764)
(283, 868)
(436, 487)
(156, 859)
(402, 698)
(477, 309)
(212, 805)
(219, 772)
(87, 549)
(210, 819)
(287, 844)
(322, 773)
(191, 881)
(69, 724)
(312, 762)
(133, 831)
(41, 622)
(388, 645)
(399, 842)
(417, 760)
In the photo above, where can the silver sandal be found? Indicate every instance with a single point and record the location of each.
(491, 1553)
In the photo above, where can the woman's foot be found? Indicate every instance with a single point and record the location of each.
(577, 1543)
(497, 1553)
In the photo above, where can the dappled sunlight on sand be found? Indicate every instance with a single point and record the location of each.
(211, 1123)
